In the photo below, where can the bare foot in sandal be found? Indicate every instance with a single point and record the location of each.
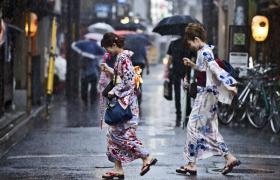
(231, 162)
(188, 168)
(113, 174)
(147, 162)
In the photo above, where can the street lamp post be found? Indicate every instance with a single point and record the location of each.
(31, 25)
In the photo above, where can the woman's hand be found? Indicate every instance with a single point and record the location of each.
(104, 67)
(233, 89)
(188, 62)
(111, 94)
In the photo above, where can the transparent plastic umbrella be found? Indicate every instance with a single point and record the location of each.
(101, 28)
(94, 36)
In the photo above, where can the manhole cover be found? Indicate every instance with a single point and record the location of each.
(241, 171)
(101, 167)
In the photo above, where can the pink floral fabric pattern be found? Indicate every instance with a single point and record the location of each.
(104, 80)
(123, 145)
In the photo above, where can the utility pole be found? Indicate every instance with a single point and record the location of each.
(73, 34)
(29, 66)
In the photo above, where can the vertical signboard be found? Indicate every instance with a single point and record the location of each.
(238, 46)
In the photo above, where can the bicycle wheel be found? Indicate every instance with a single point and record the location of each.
(256, 112)
(275, 116)
(226, 113)
(240, 113)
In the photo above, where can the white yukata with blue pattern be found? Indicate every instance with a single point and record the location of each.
(203, 137)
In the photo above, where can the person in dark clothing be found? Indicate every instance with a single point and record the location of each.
(139, 57)
(91, 54)
(177, 51)
(89, 77)
(137, 44)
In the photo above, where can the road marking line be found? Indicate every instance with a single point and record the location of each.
(55, 156)
(261, 156)
(65, 156)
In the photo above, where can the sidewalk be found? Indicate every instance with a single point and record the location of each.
(15, 125)
(72, 146)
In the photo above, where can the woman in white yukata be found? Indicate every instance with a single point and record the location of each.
(203, 137)
(123, 144)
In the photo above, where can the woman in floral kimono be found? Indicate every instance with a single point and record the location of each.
(203, 137)
(123, 144)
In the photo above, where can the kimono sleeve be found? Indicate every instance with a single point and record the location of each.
(126, 73)
(219, 72)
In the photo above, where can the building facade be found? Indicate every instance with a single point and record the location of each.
(223, 17)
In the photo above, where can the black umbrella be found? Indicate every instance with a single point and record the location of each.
(174, 25)
(133, 40)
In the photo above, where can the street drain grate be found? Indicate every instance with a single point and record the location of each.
(241, 171)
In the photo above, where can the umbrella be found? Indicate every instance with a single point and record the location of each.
(131, 26)
(94, 36)
(88, 48)
(101, 28)
(132, 40)
(137, 43)
(123, 33)
(174, 25)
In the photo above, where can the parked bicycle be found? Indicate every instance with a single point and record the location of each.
(238, 108)
(264, 103)
(258, 100)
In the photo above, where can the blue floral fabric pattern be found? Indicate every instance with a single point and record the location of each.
(224, 147)
(199, 146)
(203, 137)
(208, 56)
(215, 75)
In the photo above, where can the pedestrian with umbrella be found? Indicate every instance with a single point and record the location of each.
(175, 25)
(91, 54)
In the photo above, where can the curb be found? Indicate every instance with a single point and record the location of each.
(21, 127)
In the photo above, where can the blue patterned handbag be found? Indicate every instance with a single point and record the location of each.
(116, 114)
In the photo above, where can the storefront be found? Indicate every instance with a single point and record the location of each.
(14, 52)
(267, 51)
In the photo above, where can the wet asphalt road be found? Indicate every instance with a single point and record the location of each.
(70, 145)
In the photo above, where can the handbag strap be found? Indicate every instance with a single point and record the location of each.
(116, 73)
(193, 76)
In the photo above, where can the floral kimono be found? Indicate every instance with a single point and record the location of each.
(104, 80)
(203, 137)
(123, 145)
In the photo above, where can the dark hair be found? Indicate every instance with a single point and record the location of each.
(195, 30)
(110, 38)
